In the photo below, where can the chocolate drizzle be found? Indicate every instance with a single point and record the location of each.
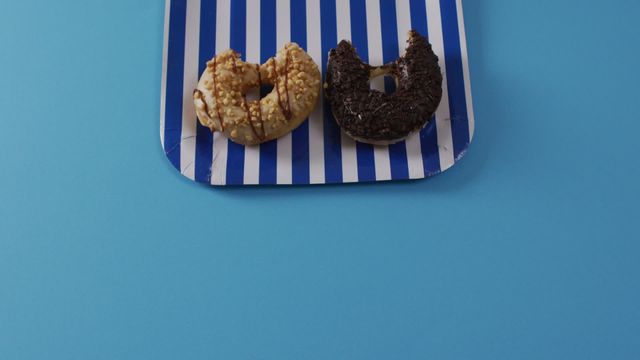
(235, 64)
(264, 135)
(216, 95)
(286, 111)
(246, 107)
(201, 96)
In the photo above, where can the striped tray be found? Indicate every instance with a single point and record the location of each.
(316, 152)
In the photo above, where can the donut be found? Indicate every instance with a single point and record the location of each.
(371, 116)
(221, 103)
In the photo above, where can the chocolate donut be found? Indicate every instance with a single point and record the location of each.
(372, 116)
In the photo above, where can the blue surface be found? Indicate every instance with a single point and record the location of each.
(526, 249)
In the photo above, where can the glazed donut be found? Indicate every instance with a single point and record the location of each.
(375, 117)
(221, 103)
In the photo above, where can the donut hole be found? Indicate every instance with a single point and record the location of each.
(265, 89)
(259, 92)
(385, 83)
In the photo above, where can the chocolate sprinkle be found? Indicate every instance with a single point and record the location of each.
(373, 116)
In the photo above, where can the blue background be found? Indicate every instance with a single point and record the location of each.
(526, 249)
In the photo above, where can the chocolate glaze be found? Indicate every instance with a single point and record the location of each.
(372, 115)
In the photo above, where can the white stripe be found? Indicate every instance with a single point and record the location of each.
(443, 118)
(283, 23)
(190, 80)
(380, 153)
(284, 168)
(252, 153)
(343, 21)
(223, 30)
(465, 69)
(414, 151)
(163, 82)
(348, 146)
(316, 131)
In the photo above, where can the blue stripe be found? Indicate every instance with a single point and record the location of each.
(300, 136)
(175, 80)
(364, 152)
(204, 137)
(390, 52)
(428, 135)
(455, 78)
(332, 146)
(268, 150)
(235, 155)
